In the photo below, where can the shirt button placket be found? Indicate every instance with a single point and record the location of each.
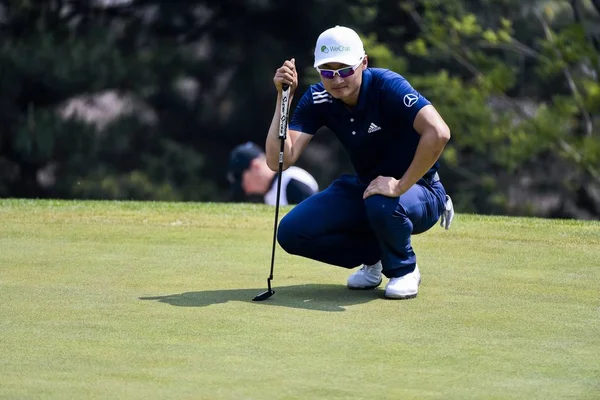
(352, 120)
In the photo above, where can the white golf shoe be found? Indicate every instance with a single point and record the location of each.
(404, 287)
(368, 277)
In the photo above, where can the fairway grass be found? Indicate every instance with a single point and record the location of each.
(144, 300)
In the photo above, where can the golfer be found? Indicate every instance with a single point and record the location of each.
(394, 137)
(250, 177)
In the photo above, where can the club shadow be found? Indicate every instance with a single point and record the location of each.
(318, 297)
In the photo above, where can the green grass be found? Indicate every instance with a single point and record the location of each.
(153, 301)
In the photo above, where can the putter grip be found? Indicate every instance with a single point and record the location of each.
(283, 121)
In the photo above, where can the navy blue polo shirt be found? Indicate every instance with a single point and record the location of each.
(378, 132)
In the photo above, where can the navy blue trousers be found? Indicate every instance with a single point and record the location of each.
(338, 227)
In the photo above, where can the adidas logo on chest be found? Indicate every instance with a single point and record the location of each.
(373, 128)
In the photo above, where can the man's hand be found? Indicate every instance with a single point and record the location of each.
(286, 75)
(447, 214)
(384, 185)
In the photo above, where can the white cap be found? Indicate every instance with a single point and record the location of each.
(338, 45)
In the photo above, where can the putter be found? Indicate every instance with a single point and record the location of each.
(285, 96)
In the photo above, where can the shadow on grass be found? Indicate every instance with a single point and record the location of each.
(308, 297)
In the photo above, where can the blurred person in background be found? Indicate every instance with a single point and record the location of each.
(252, 180)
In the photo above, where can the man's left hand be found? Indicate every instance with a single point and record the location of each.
(384, 185)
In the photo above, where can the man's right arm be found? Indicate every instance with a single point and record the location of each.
(296, 140)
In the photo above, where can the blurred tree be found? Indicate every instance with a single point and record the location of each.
(52, 55)
(144, 99)
(524, 110)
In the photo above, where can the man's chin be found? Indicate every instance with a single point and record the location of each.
(339, 94)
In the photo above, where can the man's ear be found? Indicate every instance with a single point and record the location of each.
(365, 62)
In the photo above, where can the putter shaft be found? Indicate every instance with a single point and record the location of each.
(285, 95)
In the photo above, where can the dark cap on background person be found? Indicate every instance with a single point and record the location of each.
(239, 161)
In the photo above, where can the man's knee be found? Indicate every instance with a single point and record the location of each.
(287, 236)
(381, 208)
(385, 213)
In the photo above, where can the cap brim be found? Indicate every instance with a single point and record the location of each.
(350, 61)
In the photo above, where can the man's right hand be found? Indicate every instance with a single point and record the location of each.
(286, 75)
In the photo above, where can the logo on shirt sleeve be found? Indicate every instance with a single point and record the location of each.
(410, 99)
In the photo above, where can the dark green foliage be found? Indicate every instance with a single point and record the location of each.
(517, 82)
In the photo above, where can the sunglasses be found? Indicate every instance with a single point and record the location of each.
(342, 72)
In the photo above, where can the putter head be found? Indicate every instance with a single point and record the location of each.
(263, 295)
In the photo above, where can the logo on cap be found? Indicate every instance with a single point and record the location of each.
(338, 45)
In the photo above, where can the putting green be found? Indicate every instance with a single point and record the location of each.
(105, 300)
